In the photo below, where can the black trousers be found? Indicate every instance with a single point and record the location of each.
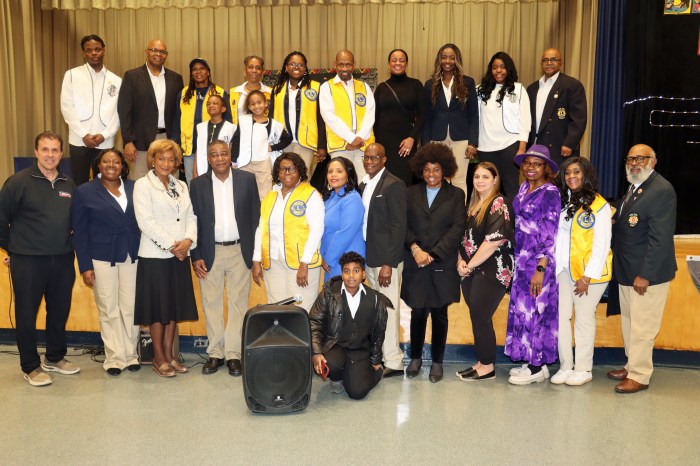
(81, 158)
(419, 322)
(357, 373)
(510, 173)
(34, 277)
(483, 297)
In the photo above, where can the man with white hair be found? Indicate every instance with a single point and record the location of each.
(644, 263)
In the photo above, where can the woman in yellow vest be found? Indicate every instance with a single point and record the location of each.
(288, 238)
(191, 110)
(294, 103)
(253, 68)
(584, 265)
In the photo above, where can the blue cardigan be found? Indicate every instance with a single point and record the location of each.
(101, 229)
(343, 228)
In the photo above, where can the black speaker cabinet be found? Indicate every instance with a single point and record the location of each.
(276, 359)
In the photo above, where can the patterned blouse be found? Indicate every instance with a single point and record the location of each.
(497, 225)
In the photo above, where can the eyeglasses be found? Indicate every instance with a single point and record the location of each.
(536, 165)
(291, 170)
(550, 60)
(296, 65)
(372, 158)
(158, 51)
(637, 159)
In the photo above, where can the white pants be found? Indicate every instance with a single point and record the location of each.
(641, 321)
(281, 283)
(584, 323)
(459, 148)
(115, 292)
(355, 156)
(393, 356)
(229, 270)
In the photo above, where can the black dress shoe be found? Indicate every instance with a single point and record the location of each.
(234, 367)
(413, 368)
(474, 375)
(465, 372)
(388, 372)
(435, 372)
(212, 365)
(113, 371)
(133, 367)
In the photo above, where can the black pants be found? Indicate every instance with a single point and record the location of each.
(34, 277)
(357, 373)
(483, 297)
(503, 160)
(419, 321)
(81, 158)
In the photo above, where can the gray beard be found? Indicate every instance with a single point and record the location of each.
(638, 179)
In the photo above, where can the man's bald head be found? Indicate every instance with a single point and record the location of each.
(344, 64)
(551, 62)
(374, 159)
(156, 54)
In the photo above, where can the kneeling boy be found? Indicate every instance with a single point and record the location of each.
(348, 321)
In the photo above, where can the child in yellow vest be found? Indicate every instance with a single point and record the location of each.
(258, 141)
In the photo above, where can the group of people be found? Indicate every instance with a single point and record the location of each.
(394, 212)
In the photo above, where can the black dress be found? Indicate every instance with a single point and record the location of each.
(396, 121)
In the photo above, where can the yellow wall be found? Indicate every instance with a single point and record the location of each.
(680, 328)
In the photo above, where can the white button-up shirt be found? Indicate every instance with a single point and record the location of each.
(225, 226)
(353, 301)
(363, 128)
(370, 186)
(546, 86)
(158, 83)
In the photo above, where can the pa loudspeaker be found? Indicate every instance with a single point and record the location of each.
(276, 359)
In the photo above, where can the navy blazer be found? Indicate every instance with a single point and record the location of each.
(463, 122)
(643, 234)
(101, 229)
(246, 205)
(563, 117)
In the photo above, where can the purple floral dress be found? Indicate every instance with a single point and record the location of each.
(533, 323)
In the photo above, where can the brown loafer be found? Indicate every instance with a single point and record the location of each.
(164, 370)
(630, 386)
(617, 374)
(179, 368)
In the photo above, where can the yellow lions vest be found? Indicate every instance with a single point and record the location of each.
(296, 229)
(582, 243)
(308, 127)
(342, 109)
(187, 118)
(235, 97)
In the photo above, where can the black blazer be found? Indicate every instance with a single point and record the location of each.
(138, 110)
(437, 230)
(563, 118)
(246, 203)
(463, 122)
(386, 221)
(643, 234)
(101, 229)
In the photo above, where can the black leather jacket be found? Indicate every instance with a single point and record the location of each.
(326, 318)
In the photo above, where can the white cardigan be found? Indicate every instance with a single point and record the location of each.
(162, 219)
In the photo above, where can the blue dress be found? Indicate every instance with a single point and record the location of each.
(342, 228)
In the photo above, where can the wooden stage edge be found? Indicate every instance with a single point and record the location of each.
(680, 329)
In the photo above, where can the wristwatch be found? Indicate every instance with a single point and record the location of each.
(540, 268)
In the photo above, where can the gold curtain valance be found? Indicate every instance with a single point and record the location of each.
(135, 4)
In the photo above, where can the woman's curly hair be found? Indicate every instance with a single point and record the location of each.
(434, 152)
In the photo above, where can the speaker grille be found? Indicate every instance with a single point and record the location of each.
(277, 377)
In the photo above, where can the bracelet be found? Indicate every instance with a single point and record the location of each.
(585, 282)
(191, 240)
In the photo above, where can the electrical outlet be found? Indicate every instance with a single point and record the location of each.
(201, 342)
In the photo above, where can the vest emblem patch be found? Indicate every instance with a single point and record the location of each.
(561, 113)
(311, 94)
(360, 99)
(298, 208)
(585, 220)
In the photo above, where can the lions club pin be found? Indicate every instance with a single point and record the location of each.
(633, 220)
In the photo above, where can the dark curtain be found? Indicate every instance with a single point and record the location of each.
(662, 99)
(608, 96)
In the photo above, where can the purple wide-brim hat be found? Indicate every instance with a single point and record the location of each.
(541, 152)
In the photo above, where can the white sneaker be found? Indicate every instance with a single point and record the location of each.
(578, 378)
(526, 378)
(561, 376)
(38, 378)
(518, 370)
(337, 387)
